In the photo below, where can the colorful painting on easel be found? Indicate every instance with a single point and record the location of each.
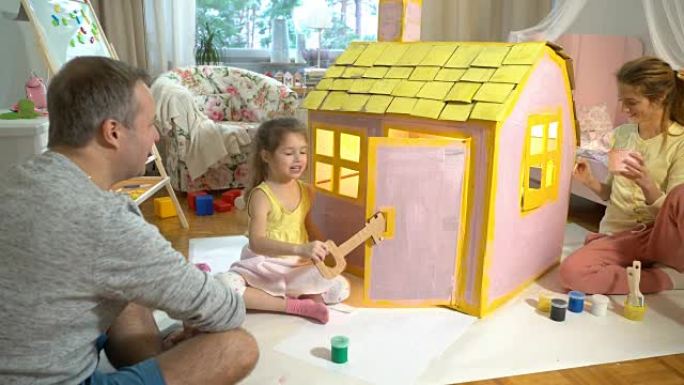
(87, 32)
(67, 28)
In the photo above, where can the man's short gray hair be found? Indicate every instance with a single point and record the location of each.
(87, 91)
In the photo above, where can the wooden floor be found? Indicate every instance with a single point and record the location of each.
(666, 370)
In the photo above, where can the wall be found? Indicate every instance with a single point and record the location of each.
(606, 17)
(614, 17)
(481, 20)
(21, 54)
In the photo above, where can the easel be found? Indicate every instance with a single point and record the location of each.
(151, 184)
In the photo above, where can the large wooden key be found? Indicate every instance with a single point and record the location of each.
(373, 229)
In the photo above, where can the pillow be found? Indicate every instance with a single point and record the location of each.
(596, 127)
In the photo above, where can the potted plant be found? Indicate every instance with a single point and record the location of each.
(206, 52)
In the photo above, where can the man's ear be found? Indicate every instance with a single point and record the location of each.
(111, 132)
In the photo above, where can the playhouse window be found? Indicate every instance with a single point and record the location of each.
(325, 142)
(541, 160)
(338, 161)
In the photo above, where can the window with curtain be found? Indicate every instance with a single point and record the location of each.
(247, 24)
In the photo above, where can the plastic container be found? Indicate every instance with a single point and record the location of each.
(544, 302)
(339, 349)
(576, 301)
(558, 309)
(599, 305)
(634, 313)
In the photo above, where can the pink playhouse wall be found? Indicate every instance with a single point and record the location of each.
(337, 218)
(526, 245)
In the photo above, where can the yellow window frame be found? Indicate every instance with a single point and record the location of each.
(546, 159)
(340, 165)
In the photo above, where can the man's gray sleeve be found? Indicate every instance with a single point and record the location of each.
(137, 264)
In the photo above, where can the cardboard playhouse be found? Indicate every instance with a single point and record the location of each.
(467, 149)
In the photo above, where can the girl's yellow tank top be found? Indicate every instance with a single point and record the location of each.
(284, 225)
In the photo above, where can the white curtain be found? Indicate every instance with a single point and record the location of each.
(478, 20)
(122, 22)
(170, 34)
(665, 20)
(562, 15)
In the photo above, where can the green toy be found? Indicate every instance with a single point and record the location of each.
(26, 110)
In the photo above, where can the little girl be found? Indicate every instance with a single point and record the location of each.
(276, 270)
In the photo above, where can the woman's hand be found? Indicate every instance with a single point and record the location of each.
(582, 172)
(635, 170)
(315, 250)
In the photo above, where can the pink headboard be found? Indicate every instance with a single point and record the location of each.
(596, 59)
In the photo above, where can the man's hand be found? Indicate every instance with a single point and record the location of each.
(178, 336)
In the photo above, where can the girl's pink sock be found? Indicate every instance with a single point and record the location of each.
(307, 308)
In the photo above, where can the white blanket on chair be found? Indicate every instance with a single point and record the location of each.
(206, 146)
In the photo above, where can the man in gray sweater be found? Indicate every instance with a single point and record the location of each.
(80, 266)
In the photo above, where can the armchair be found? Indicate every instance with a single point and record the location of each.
(207, 116)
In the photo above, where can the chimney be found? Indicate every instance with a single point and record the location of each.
(399, 20)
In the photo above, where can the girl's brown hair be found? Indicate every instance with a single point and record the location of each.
(268, 137)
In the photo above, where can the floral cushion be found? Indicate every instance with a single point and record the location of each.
(237, 98)
(596, 127)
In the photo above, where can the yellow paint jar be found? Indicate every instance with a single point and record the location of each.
(634, 313)
(544, 302)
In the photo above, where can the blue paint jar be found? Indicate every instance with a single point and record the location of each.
(576, 303)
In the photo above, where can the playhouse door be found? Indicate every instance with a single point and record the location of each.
(419, 185)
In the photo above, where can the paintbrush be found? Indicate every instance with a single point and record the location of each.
(634, 298)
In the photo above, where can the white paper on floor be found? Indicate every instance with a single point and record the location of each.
(387, 346)
(217, 252)
(518, 339)
(515, 339)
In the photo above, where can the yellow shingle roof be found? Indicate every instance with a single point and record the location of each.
(437, 80)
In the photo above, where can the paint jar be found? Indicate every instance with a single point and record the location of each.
(339, 347)
(558, 308)
(599, 305)
(634, 313)
(544, 302)
(576, 304)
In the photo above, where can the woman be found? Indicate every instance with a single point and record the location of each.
(644, 219)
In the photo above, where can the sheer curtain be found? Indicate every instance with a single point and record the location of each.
(481, 20)
(555, 23)
(170, 34)
(122, 22)
(665, 20)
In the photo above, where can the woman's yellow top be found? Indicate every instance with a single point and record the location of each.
(284, 225)
(664, 160)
